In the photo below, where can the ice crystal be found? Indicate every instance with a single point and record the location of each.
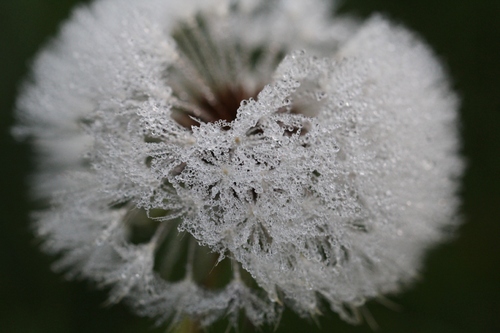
(209, 158)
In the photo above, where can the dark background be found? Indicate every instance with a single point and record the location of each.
(460, 288)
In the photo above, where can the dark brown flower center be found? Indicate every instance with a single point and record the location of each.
(224, 106)
(211, 78)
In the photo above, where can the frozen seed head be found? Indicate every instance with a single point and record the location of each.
(207, 160)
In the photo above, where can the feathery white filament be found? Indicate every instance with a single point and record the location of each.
(300, 157)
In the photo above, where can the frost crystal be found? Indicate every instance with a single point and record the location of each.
(208, 160)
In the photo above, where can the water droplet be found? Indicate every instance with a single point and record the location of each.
(320, 95)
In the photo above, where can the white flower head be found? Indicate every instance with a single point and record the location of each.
(209, 158)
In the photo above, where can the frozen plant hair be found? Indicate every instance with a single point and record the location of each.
(206, 159)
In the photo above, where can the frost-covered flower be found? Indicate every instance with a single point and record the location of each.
(208, 158)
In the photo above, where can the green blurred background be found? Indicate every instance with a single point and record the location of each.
(460, 288)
